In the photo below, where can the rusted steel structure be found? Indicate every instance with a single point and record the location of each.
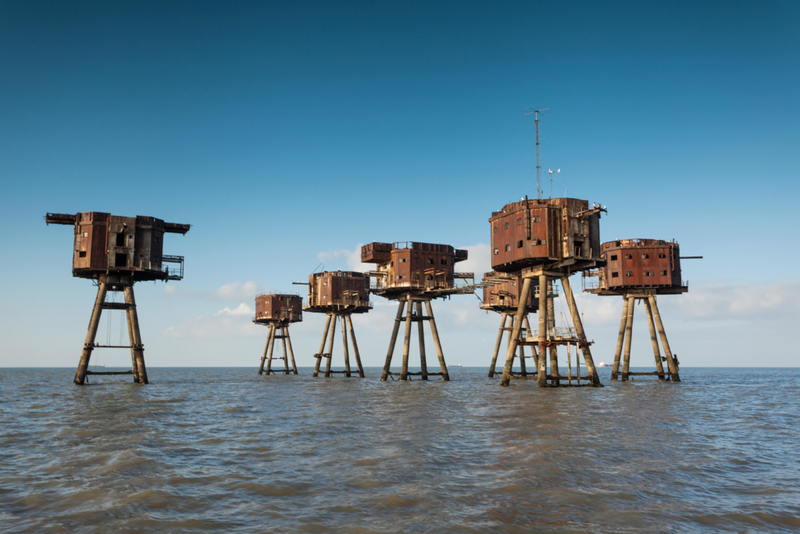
(338, 294)
(501, 292)
(639, 270)
(548, 240)
(412, 274)
(117, 252)
(278, 311)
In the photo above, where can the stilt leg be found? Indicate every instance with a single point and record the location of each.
(407, 340)
(266, 348)
(522, 369)
(285, 329)
(345, 347)
(541, 371)
(654, 340)
(516, 343)
(387, 366)
(620, 339)
(94, 322)
(355, 347)
(569, 365)
(322, 345)
(141, 370)
(673, 365)
(330, 348)
(576, 320)
(626, 358)
(132, 340)
(436, 343)
(551, 326)
(529, 336)
(291, 352)
(512, 347)
(272, 329)
(497, 344)
(421, 331)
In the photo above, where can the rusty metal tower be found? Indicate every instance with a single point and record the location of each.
(412, 274)
(338, 294)
(548, 240)
(116, 252)
(640, 270)
(278, 311)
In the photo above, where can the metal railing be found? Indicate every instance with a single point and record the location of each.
(174, 272)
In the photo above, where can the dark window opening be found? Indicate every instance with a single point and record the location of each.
(662, 255)
(628, 273)
(120, 239)
(120, 260)
(663, 273)
(82, 254)
(444, 261)
(430, 261)
(614, 275)
(613, 257)
(628, 257)
(579, 249)
(519, 244)
(645, 256)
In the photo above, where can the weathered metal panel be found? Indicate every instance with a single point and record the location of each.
(641, 263)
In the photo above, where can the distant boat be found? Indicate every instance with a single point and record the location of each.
(603, 364)
(99, 365)
(456, 365)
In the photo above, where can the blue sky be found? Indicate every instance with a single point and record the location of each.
(290, 134)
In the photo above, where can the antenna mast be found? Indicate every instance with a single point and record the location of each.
(535, 113)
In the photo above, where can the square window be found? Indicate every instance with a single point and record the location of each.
(82, 254)
(496, 251)
(645, 256)
(613, 257)
(614, 275)
(494, 230)
(508, 248)
(519, 243)
(628, 273)
(663, 273)
(628, 257)
(507, 225)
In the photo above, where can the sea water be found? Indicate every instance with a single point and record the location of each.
(226, 450)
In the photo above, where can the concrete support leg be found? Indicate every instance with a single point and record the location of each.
(388, 365)
(620, 339)
(551, 326)
(626, 359)
(322, 344)
(529, 336)
(272, 330)
(132, 343)
(330, 348)
(94, 322)
(407, 340)
(654, 339)
(355, 347)
(284, 330)
(423, 362)
(497, 344)
(541, 371)
(291, 352)
(512, 346)
(671, 361)
(437, 343)
(141, 369)
(266, 348)
(576, 320)
(345, 348)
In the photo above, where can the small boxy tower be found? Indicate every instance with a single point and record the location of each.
(640, 269)
(338, 294)
(278, 311)
(547, 239)
(413, 274)
(117, 252)
(501, 293)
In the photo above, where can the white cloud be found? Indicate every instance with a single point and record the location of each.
(222, 324)
(343, 259)
(235, 290)
(241, 309)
